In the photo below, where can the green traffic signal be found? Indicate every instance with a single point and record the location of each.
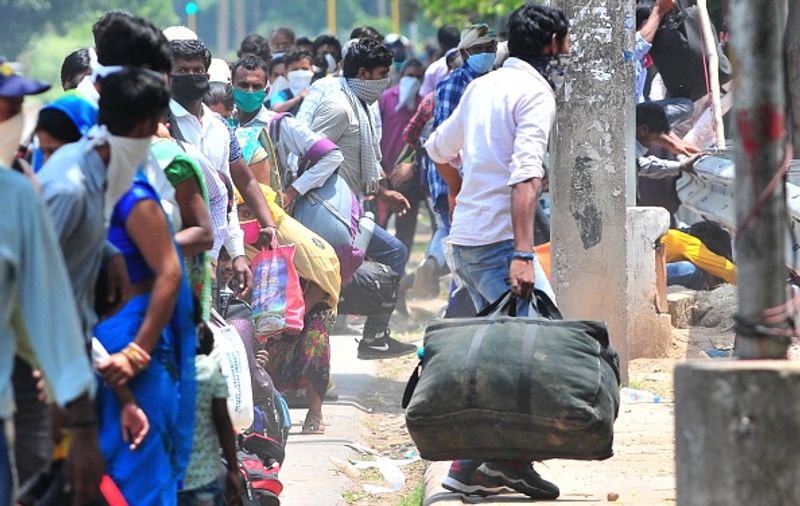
(191, 8)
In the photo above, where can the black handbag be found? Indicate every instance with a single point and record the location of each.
(500, 387)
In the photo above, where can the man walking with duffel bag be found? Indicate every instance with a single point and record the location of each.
(501, 129)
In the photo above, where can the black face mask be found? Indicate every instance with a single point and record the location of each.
(189, 87)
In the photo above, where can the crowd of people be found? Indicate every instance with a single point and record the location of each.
(149, 187)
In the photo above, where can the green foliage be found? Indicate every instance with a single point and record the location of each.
(26, 20)
(461, 12)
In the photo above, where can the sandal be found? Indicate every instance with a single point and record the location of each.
(313, 424)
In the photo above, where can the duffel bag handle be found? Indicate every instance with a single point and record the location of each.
(506, 304)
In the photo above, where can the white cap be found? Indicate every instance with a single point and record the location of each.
(179, 33)
(219, 71)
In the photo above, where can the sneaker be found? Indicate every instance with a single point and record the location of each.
(520, 477)
(383, 346)
(426, 282)
(465, 478)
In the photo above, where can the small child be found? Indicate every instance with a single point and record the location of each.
(212, 429)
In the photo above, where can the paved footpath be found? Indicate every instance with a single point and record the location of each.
(641, 471)
(308, 475)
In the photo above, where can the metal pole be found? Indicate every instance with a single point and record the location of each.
(332, 17)
(396, 16)
(757, 28)
(239, 22)
(223, 27)
(713, 71)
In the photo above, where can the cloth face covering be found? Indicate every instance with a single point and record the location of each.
(249, 101)
(409, 87)
(188, 88)
(553, 68)
(481, 62)
(370, 144)
(368, 90)
(127, 154)
(299, 81)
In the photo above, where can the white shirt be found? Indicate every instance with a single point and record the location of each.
(501, 126)
(212, 138)
(36, 298)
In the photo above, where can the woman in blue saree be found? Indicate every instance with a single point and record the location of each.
(152, 342)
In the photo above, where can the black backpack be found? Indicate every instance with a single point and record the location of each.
(680, 54)
(372, 292)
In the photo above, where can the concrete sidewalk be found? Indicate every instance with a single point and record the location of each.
(308, 475)
(642, 470)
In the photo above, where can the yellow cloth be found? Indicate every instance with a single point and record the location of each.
(682, 246)
(314, 259)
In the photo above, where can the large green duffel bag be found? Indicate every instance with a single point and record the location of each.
(499, 387)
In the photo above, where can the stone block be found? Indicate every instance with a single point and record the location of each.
(681, 308)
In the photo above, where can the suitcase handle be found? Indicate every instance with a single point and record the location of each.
(507, 305)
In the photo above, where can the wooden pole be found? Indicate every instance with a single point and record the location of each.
(332, 17)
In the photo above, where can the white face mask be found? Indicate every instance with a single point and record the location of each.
(10, 137)
(127, 155)
(299, 81)
(409, 87)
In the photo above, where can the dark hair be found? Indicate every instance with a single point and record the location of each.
(366, 53)
(75, 66)
(653, 116)
(250, 62)
(285, 31)
(205, 338)
(448, 37)
(295, 56)
(190, 50)
(329, 40)
(274, 63)
(303, 41)
(366, 32)
(255, 44)
(643, 11)
(101, 24)
(129, 97)
(56, 123)
(531, 28)
(220, 93)
(412, 62)
(716, 238)
(133, 42)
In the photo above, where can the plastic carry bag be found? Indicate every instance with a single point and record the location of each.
(277, 300)
(230, 354)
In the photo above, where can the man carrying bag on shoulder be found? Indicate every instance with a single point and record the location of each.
(501, 129)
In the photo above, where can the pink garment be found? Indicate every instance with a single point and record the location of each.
(394, 122)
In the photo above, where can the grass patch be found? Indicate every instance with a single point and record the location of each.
(413, 498)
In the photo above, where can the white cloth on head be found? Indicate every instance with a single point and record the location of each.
(475, 35)
(178, 32)
(219, 71)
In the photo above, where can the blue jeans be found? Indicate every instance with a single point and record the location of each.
(207, 495)
(484, 270)
(387, 249)
(6, 479)
(686, 274)
(441, 210)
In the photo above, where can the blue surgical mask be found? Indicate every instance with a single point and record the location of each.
(481, 62)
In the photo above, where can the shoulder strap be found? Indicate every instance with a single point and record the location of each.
(275, 126)
(315, 153)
